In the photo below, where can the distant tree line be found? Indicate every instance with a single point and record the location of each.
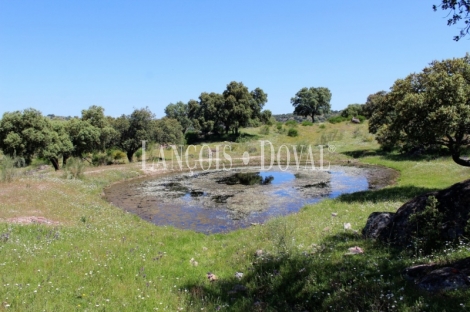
(27, 134)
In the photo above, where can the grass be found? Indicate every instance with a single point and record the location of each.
(103, 259)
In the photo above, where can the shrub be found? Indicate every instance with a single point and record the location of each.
(101, 159)
(291, 123)
(74, 168)
(306, 123)
(119, 156)
(7, 169)
(264, 130)
(337, 119)
(428, 222)
(292, 132)
(322, 126)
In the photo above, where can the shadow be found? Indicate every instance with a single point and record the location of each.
(394, 193)
(363, 153)
(193, 138)
(326, 278)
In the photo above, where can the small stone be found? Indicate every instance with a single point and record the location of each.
(259, 253)
(193, 262)
(212, 277)
(334, 214)
(355, 250)
(239, 275)
(326, 229)
(204, 248)
(347, 226)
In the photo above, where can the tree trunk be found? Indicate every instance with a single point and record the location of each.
(313, 117)
(129, 155)
(64, 159)
(55, 162)
(463, 162)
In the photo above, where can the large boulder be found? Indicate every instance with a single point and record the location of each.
(376, 222)
(453, 205)
(436, 278)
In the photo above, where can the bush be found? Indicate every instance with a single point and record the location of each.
(264, 130)
(101, 159)
(307, 123)
(292, 132)
(74, 168)
(291, 123)
(337, 119)
(322, 126)
(7, 169)
(119, 157)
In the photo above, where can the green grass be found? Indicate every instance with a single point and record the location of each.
(102, 259)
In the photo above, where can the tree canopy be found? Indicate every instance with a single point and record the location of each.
(311, 102)
(459, 10)
(180, 112)
(234, 108)
(28, 133)
(134, 129)
(428, 108)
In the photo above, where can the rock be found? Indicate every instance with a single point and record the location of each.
(355, 120)
(347, 226)
(212, 277)
(417, 272)
(334, 214)
(239, 275)
(453, 204)
(193, 262)
(446, 278)
(434, 278)
(376, 222)
(259, 253)
(355, 250)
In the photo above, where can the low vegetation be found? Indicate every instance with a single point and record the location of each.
(96, 257)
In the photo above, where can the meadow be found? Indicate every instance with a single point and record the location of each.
(96, 257)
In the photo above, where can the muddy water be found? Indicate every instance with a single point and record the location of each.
(221, 201)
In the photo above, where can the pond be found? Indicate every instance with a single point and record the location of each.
(222, 201)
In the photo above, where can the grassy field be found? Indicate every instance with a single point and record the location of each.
(99, 258)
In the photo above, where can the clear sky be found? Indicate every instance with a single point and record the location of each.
(63, 56)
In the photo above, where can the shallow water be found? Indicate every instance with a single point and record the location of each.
(219, 201)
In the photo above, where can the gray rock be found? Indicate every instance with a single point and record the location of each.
(453, 204)
(376, 222)
(443, 279)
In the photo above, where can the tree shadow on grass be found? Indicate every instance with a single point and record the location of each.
(323, 278)
(394, 193)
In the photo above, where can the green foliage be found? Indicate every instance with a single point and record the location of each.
(74, 168)
(337, 119)
(236, 107)
(353, 110)
(267, 117)
(372, 103)
(168, 131)
(101, 159)
(27, 133)
(180, 112)
(322, 126)
(293, 132)
(264, 130)
(291, 123)
(7, 169)
(312, 101)
(428, 108)
(428, 224)
(133, 129)
(306, 123)
(191, 137)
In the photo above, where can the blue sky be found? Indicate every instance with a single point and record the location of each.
(63, 56)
